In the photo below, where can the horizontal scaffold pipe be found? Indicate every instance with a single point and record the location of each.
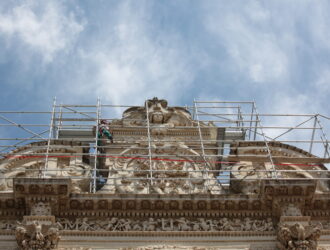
(278, 160)
(221, 172)
(181, 178)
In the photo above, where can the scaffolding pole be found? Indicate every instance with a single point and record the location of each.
(274, 174)
(242, 117)
(149, 142)
(206, 165)
(97, 122)
(43, 173)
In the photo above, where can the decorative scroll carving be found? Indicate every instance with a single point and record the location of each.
(167, 224)
(184, 176)
(291, 210)
(41, 208)
(159, 113)
(245, 177)
(297, 236)
(37, 236)
(21, 166)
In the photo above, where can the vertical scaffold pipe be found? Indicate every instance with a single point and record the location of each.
(98, 111)
(43, 174)
(149, 142)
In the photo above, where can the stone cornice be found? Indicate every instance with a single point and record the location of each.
(168, 234)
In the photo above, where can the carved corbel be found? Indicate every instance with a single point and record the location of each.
(298, 236)
(37, 236)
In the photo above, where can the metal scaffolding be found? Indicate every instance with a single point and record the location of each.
(239, 126)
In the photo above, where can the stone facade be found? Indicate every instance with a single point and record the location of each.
(170, 200)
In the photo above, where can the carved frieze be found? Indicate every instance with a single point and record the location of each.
(167, 224)
(7, 224)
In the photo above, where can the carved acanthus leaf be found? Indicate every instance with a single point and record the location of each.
(37, 236)
(297, 236)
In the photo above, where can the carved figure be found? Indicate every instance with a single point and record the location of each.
(124, 225)
(164, 224)
(225, 225)
(37, 230)
(183, 224)
(247, 225)
(112, 224)
(149, 225)
(84, 226)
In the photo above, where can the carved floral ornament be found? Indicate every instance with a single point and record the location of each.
(37, 236)
(298, 237)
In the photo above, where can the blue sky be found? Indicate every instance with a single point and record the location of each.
(274, 52)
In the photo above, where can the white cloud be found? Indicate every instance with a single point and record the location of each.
(253, 50)
(131, 62)
(318, 25)
(43, 26)
(322, 83)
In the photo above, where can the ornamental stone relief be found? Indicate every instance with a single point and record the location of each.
(247, 174)
(151, 247)
(7, 225)
(20, 165)
(37, 236)
(184, 175)
(159, 113)
(166, 224)
(41, 209)
(298, 237)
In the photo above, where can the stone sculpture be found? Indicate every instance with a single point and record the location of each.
(297, 236)
(37, 236)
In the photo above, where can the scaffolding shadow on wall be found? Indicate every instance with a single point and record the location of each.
(150, 156)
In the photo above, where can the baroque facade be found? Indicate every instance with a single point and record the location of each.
(158, 187)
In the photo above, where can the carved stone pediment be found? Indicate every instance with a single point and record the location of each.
(159, 113)
(37, 236)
